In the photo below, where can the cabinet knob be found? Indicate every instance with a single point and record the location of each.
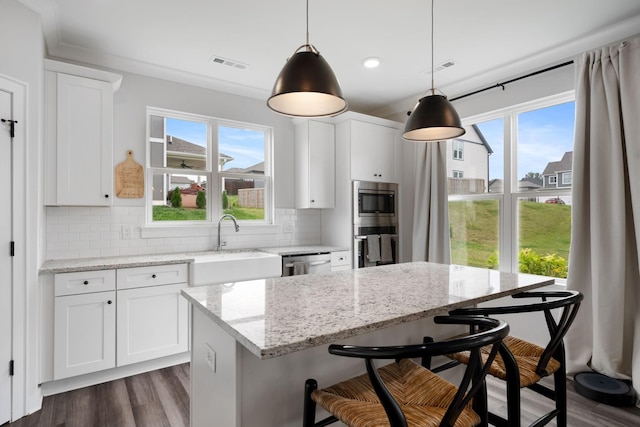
(106, 196)
(86, 282)
(153, 276)
(109, 302)
(313, 201)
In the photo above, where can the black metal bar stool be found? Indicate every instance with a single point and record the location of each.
(523, 364)
(404, 393)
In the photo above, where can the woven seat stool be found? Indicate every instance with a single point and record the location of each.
(523, 364)
(404, 393)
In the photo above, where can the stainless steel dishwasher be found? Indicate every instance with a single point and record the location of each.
(307, 263)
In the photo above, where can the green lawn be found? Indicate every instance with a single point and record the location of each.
(544, 228)
(166, 213)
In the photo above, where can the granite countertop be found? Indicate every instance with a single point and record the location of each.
(107, 263)
(299, 250)
(273, 317)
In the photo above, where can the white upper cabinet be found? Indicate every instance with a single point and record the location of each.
(315, 164)
(374, 152)
(79, 132)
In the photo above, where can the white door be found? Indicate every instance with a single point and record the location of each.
(6, 275)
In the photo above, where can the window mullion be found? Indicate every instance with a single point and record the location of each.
(508, 225)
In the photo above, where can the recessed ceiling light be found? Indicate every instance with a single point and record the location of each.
(371, 62)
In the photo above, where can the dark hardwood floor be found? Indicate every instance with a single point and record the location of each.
(161, 398)
(154, 399)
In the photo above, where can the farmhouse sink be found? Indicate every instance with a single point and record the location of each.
(221, 267)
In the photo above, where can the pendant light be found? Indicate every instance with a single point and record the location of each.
(306, 86)
(433, 118)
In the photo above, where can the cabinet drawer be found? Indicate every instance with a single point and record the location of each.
(139, 277)
(340, 258)
(83, 282)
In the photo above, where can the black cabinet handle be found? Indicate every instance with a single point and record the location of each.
(153, 276)
(109, 302)
(106, 196)
(86, 282)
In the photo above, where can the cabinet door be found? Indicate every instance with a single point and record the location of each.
(315, 165)
(84, 141)
(152, 322)
(374, 152)
(84, 334)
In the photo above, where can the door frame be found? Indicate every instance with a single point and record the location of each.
(22, 320)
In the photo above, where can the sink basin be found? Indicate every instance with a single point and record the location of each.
(221, 267)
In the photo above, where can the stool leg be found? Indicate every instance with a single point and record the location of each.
(560, 386)
(309, 411)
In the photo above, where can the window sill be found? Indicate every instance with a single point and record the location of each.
(195, 230)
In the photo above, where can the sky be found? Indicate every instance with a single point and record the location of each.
(244, 145)
(544, 136)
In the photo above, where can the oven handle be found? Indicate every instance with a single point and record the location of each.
(311, 264)
(364, 237)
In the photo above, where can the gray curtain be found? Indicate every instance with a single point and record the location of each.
(603, 261)
(430, 210)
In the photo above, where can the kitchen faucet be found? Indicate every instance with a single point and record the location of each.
(233, 218)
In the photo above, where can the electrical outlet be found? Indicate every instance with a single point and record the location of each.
(210, 357)
(287, 227)
(127, 231)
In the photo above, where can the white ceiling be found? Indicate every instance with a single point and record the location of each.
(489, 41)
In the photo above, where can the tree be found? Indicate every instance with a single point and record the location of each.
(225, 200)
(176, 198)
(201, 200)
(533, 175)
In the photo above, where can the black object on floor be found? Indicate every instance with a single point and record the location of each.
(604, 389)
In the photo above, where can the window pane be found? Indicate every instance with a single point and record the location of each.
(474, 232)
(179, 197)
(186, 145)
(241, 150)
(545, 147)
(544, 234)
(243, 198)
(475, 160)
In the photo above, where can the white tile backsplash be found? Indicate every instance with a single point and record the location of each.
(80, 232)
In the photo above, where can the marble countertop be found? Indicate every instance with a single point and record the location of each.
(299, 250)
(273, 317)
(107, 263)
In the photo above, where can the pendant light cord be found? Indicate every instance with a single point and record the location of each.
(433, 90)
(308, 25)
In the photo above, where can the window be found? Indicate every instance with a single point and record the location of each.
(458, 149)
(458, 174)
(201, 167)
(553, 179)
(516, 224)
(566, 178)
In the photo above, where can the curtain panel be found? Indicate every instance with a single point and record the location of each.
(431, 240)
(603, 261)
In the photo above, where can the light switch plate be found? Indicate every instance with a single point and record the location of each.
(210, 357)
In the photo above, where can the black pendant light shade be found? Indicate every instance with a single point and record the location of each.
(433, 119)
(307, 87)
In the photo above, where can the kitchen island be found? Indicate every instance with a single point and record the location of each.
(254, 343)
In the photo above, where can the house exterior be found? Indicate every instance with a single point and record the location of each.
(468, 163)
(559, 174)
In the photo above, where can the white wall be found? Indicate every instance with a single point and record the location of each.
(74, 232)
(21, 53)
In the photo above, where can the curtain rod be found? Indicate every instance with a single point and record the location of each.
(535, 73)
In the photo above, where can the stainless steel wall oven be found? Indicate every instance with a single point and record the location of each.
(375, 223)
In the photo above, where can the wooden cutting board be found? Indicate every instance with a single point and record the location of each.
(129, 178)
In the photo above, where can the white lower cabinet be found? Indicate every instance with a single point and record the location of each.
(152, 322)
(111, 318)
(84, 334)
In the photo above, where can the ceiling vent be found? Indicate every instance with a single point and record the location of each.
(443, 65)
(228, 62)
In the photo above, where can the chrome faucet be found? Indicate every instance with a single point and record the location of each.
(233, 218)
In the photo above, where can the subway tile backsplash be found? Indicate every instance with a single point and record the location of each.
(80, 232)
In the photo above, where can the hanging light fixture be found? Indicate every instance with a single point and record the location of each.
(306, 86)
(433, 118)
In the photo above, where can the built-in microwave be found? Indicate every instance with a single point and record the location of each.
(374, 200)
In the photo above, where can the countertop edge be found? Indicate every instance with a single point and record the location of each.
(93, 264)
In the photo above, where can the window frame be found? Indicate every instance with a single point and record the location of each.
(553, 179)
(458, 173)
(213, 175)
(457, 146)
(508, 244)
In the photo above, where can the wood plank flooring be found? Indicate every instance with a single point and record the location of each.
(161, 399)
